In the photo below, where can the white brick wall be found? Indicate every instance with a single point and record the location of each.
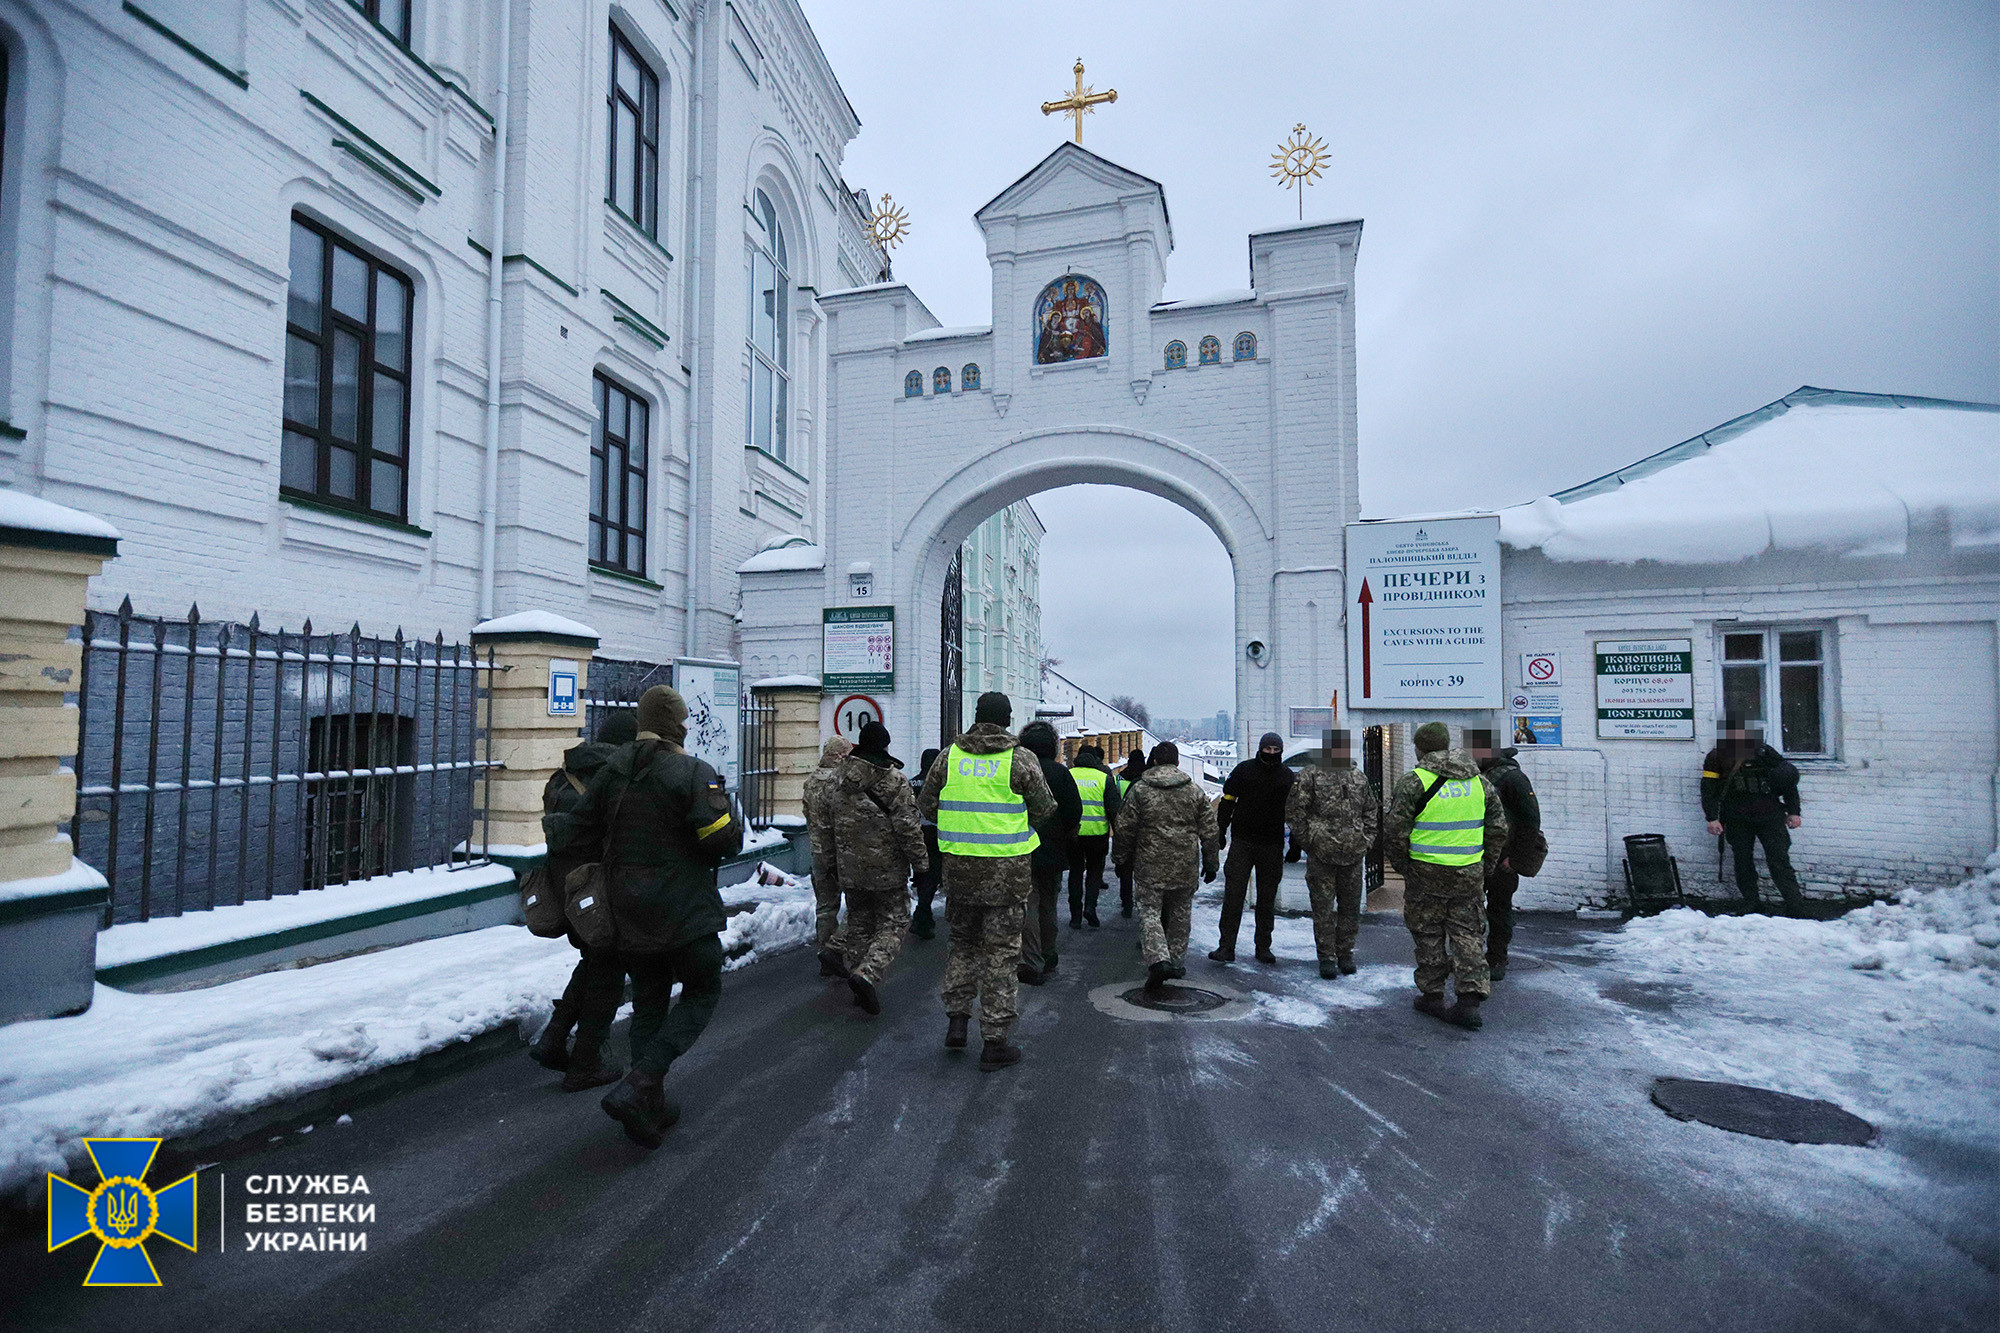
(144, 246)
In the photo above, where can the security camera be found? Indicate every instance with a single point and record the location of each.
(1257, 652)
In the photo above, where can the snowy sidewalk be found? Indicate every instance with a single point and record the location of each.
(172, 1065)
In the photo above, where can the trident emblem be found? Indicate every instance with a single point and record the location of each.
(122, 1213)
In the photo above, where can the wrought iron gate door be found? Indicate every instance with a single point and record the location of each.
(952, 694)
(1375, 755)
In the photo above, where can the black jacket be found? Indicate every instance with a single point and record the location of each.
(1058, 831)
(1761, 787)
(1517, 794)
(1253, 800)
(674, 827)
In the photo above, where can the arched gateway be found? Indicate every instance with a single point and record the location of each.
(931, 429)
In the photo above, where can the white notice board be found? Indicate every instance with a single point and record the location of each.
(710, 690)
(1423, 614)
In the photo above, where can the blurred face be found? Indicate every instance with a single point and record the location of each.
(1479, 744)
(1339, 746)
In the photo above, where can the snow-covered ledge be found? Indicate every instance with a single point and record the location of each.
(529, 737)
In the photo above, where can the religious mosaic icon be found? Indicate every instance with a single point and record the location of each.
(941, 380)
(969, 377)
(1176, 355)
(1069, 321)
(1211, 351)
(913, 384)
(1246, 347)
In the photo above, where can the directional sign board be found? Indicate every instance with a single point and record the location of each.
(1423, 614)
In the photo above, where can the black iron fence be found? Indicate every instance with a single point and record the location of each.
(220, 763)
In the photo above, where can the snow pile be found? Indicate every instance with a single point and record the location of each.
(1844, 478)
(161, 1066)
(1893, 1011)
(769, 913)
(166, 1066)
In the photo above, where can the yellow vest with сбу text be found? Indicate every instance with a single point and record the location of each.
(979, 812)
(1451, 828)
(1090, 784)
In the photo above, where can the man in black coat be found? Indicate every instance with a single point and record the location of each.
(928, 880)
(590, 1002)
(1049, 862)
(1750, 794)
(1253, 807)
(1524, 817)
(664, 820)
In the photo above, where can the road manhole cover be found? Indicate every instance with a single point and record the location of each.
(1175, 999)
(1761, 1112)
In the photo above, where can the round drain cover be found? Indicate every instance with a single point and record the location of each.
(1175, 999)
(1759, 1111)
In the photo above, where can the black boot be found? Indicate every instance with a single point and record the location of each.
(1028, 976)
(1076, 921)
(1347, 968)
(1175, 969)
(587, 1066)
(1328, 971)
(998, 1053)
(551, 1049)
(1496, 967)
(831, 964)
(1466, 1012)
(864, 993)
(1156, 978)
(922, 924)
(639, 1104)
(1090, 917)
(1222, 953)
(954, 1032)
(1433, 1005)
(1264, 954)
(1125, 909)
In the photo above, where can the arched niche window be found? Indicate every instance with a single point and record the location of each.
(968, 378)
(768, 394)
(1176, 355)
(941, 380)
(1246, 347)
(633, 157)
(1070, 323)
(913, 384)
(1211, 352)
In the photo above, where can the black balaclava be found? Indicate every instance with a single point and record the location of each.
(618, 726)
(1271, 738)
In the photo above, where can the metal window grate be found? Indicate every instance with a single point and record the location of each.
(220, 763)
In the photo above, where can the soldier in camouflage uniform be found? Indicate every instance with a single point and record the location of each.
(1332, 812)
(826, 876)
(878, 838)
(984, 896)
(1166, 835)
(1445, 905)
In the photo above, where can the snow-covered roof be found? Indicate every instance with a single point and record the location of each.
(31, 513)
(1228, 296)
(1842, 472)
(955, 331)
(786, 683)
(536, 622)
(795, 554)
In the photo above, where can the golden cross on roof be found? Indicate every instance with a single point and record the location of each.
(1080, 102)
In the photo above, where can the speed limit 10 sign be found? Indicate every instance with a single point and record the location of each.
(1541, 669)
(853, 713)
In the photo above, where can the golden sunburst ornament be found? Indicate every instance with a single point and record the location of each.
(888, 224)
(1299, 162)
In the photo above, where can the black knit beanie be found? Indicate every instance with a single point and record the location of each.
(994, 707)
(874, 736)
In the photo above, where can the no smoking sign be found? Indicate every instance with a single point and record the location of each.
(1539, 669)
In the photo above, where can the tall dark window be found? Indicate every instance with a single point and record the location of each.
(635, 136)
(392, 16)
(770, 330)
(347, 376)
(618, 480)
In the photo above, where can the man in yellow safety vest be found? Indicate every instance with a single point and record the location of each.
(1446, 832)
(1101, 794)
(984, 796)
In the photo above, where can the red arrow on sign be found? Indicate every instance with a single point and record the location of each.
(1367, 600)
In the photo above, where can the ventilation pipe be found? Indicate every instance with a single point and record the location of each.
(495, 297)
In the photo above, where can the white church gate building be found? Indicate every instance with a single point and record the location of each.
(1240, 407)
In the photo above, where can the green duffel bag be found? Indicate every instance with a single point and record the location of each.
(543, 910)
(588, 907)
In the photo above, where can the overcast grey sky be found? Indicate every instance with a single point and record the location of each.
(1591, 230)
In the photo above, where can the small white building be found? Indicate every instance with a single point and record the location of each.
(1829, 564)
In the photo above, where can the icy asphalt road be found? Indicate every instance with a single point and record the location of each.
(1331, 1160)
